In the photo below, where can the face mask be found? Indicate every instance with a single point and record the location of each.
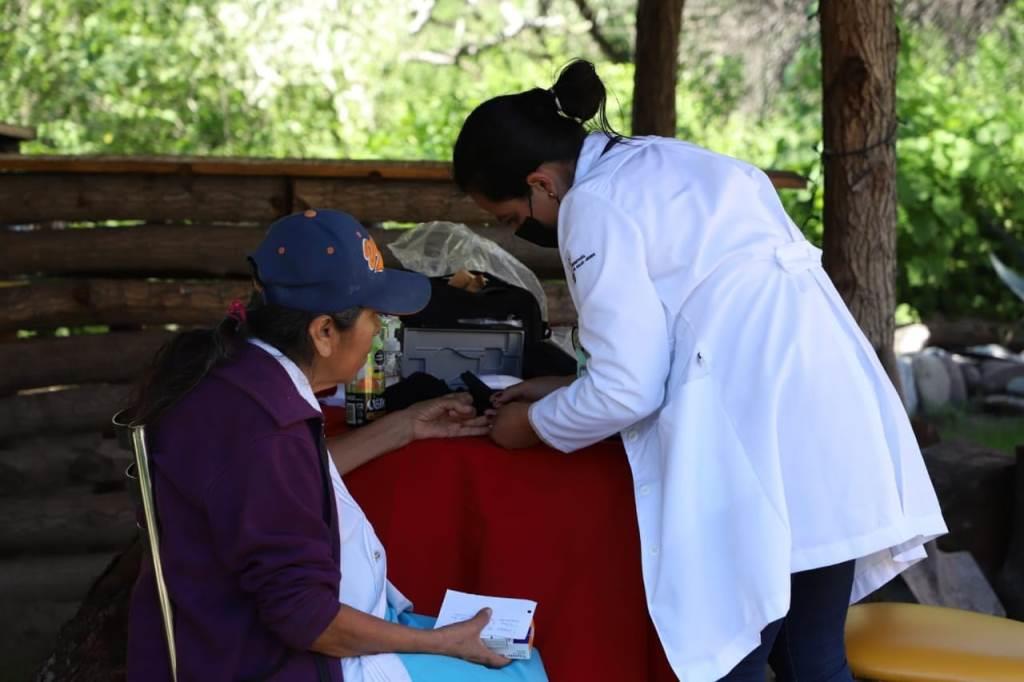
(536, 232)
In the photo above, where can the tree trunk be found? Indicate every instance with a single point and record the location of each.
(859, 48)
(657, 54)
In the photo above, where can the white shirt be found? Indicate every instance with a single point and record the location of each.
(364, 584)
(763, 435)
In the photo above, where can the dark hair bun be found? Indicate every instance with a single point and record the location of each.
(579, 90)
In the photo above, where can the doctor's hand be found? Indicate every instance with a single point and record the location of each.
(530, 391)
(462, 640)
(512, 428)
(450, 416)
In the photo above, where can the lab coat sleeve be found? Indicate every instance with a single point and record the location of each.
(622, 326)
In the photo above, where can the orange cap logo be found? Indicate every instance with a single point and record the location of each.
(372, 255)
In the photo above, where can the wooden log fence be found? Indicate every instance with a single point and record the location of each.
(137, 302)
(176, 250)
(139, 243)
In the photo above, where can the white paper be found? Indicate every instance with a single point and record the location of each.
(510, 618)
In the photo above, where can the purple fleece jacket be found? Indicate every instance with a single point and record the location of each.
(248, 532)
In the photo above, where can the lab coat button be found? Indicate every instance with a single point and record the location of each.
(376, 556)
(654, 551)
(645, 490)
(631, 436)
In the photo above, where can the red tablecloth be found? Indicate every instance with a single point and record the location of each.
(538, 524)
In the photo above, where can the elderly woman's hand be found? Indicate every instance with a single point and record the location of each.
(450, 416)
(462, 640)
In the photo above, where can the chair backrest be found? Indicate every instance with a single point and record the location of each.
(133, 435)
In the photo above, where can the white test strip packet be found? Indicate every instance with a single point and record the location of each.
(507, 634)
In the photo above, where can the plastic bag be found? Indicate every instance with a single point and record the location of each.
(441, 248)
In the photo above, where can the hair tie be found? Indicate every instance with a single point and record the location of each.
(561, 111)
(237, 311)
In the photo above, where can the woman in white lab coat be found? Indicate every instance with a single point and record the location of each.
(776, 475)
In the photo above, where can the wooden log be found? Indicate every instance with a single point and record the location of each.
(146, 250)
(80, 408)
(22, 133)
(39, 464)
(298, 168)
(49, 304)
(78, 359)
(177, 250)
(45, 189)
(70, 522)
(55, 303)
(963, 333)
(12, 136)
(403, 201)
(33, 198)
(231, 166)
(70, 197)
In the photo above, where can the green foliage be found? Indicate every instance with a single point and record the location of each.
(991, 431)
(960, 164)
(375, 79)
(961, 157)
(120, 77)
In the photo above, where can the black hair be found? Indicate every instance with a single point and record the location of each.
(182, 363)
(506, 138)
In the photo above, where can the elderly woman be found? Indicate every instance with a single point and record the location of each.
(256, 524)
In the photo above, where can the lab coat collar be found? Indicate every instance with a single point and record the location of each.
(589, 155)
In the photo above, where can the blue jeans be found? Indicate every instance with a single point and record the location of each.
(807, 645)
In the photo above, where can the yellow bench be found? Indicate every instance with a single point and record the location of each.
(914, 643)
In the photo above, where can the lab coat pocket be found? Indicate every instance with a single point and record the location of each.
(700, 433)
(691, 360)
(715, 518)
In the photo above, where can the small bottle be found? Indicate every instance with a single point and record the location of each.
(392, 352)
(364, 396)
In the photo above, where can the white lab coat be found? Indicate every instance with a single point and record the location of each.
(762, 432)
(364, 563)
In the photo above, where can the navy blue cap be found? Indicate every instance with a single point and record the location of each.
(324, 261)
